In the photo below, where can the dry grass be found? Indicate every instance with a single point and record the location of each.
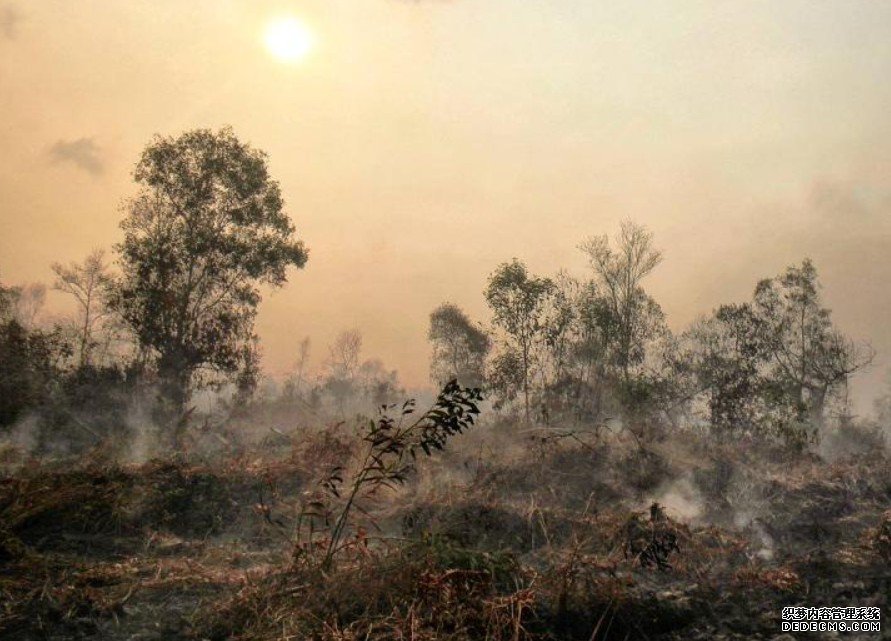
(497, 539)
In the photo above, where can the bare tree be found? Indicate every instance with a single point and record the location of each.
(302, 360)
(343, 366)
(619, 272)
(344, 354)
(87, 283)
(293, 386)
(27, 302)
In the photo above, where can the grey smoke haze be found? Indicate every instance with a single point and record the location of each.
(9, 20)
(866, 207)
(84, 153)
(510, 128)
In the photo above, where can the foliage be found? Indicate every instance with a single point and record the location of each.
(460, 348)
(518, 301)
(630, 315)
(391, 448)
(30, 364)
(207, 227)
(504, 377)
(350, 382)
(809, 358)
(379, 385)
(248, 377)
(581, 349)
(771, 365)
(88, 284)
(726, 355)
(31, 360)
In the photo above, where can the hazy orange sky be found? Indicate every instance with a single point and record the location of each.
(423, 142)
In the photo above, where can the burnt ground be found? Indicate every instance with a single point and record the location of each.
(111, 552)
(500, 539)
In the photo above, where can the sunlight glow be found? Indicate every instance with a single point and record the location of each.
(288, 39)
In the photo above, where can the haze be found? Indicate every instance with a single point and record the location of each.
(420, 144)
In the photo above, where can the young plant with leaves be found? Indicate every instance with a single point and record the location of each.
(391, 446)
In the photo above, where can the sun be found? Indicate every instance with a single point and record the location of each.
(288, 39)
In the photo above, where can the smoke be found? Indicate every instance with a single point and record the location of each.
(680, 497)
(9, 21)
(84, 153)
(768, 546)
(853, 440)
(19, 443)
(144, 435)
(864, 205)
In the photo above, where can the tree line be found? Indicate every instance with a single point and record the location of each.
(564, 350)
(207, 229)
(172, 311)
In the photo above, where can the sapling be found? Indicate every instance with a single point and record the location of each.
(391, 445)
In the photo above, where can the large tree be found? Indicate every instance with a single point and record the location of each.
(773, 363)
(810, 357)
(205, 230)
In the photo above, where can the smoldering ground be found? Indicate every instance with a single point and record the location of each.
(521, 520)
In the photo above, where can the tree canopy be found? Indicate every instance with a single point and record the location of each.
(206, 229)
(459, 347)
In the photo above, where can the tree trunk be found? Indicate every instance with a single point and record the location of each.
(526, 380)
(816, 405)
(174, 378)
